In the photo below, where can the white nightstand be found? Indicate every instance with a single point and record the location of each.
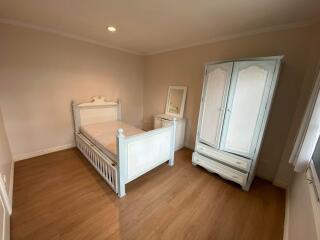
(162, 120)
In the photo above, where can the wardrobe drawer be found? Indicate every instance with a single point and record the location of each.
(230, 159)
(216, 167)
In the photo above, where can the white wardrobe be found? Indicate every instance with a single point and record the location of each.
(235, 104)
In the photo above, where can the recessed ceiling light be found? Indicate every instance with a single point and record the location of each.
(111, 29)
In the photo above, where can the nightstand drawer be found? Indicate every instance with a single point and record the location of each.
(167, 121)
(157, 123)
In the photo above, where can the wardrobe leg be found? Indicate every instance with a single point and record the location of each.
(245, 188)
(171, 162)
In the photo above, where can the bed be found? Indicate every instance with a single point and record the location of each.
(119, 151)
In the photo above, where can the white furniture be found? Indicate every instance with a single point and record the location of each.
(235, 104)
(163, 120)
(176, 99)
(135, 154)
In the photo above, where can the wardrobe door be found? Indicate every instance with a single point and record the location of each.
(214, 97)
(248, 97)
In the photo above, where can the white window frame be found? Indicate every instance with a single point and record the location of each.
(304, 146)
(314, 185)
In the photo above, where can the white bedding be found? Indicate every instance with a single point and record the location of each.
(104, 135)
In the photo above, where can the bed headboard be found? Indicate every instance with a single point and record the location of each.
(95, 111)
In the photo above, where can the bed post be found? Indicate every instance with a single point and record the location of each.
(76, 117)
(119, 117)
(122, 163)
(173, 140)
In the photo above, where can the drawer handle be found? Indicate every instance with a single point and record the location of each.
(234, 176)
(240, 163)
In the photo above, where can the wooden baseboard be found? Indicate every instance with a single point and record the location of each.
(20, 157)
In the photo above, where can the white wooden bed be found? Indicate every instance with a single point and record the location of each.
(119, 158)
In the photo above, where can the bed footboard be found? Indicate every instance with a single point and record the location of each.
(104, 166)
(140, 153)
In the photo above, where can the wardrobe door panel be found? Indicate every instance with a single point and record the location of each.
(248, 96)
(214, 101)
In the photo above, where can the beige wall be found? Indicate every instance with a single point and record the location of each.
(186, 67)
(5, 157)
(300, 213)
(300, 217)
(6, 165)
(285, 172)
(40, 73)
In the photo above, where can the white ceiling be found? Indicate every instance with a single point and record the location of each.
(149, 26)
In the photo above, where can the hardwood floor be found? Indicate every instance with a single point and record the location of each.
(60, 196)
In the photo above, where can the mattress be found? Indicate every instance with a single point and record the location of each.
(104, 135)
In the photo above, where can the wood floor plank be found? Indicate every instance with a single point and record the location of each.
(60, 196)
